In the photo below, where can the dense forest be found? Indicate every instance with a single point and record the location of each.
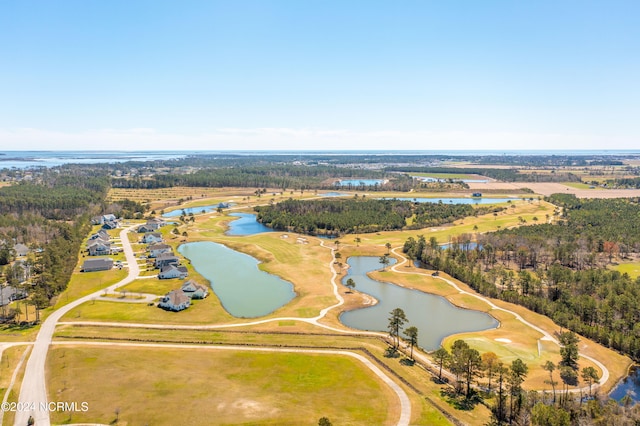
(359, 215)
(559, 269)
(506, 175)
(51, 216)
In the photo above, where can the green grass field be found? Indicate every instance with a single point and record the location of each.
(179, 386)
(631, 268)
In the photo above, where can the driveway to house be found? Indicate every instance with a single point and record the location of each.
(33, 392)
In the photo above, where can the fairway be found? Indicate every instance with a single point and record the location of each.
(185, 386)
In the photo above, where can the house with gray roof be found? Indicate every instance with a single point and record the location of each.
(152, 237)
(195, 290)
(173, 271)
(157, 249)
(99, 247)
(92, 265)
(175, 300)
(21, 250)
(166, 259)
(8, 294)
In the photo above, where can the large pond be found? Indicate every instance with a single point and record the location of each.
(460, 200)
(246, 225)
(434, 316)
(244, 290)
(196, 210)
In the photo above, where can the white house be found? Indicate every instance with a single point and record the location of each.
(99, 247)
(175, 300)
(157, 249)
(195, 290)
(173, 271)
(152, 237)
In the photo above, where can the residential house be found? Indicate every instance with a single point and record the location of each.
(195, 290)
(155, 223)
(99, 247)
(103, 264)
(145, 228)
(8, 294)
(21, 250)
(97, 220)
(175, 300)
(152, 237)
(112, 224)
(166, 259)
(102, 234)
(157, 249)
(109, 218)
(172, 271)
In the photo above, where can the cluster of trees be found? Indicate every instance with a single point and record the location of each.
(332, 217)
(557, 270)
(51, 215)
(506, 175)
(284, 176)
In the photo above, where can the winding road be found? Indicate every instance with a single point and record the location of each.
(33, 391)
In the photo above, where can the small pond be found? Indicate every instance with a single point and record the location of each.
(334, 194)
(434, 316)
(196, 210)
(246, 225)
(460, 200)
(244, 290)
(629, 386)
(359, 182)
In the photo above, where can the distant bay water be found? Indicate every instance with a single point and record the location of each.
(33, 159)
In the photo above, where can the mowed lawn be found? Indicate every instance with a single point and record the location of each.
(631, 268)
(186, 386)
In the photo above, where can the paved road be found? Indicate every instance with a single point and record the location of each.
(33, 391)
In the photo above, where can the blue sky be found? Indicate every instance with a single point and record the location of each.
(320, 74)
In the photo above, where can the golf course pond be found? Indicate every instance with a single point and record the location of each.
(434, 316)
(243, 289)
(246, 225)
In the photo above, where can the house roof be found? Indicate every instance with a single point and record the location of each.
(192, 286)
(159, 246)
(168, 268)
(9, 294)
(97, 263)
(166, 256)
(177, 298)
(21, 249)
(153, 234)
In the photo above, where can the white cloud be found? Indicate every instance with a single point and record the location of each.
(301, 139)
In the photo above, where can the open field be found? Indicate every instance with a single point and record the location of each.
(631, 268)
(8, 364)
(451, 176)
(228, 386)
(554, 188)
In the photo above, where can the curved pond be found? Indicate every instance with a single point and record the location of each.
(244, 290)
(630, 385)
(359, 182)
(196, 210)
(246, 225)
(460, 200)
(434, 316)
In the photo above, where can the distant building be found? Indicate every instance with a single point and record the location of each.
(477, 194)
(8, 294)
(155, 223)
(92, 265)
(175, 300)
(21, 250)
